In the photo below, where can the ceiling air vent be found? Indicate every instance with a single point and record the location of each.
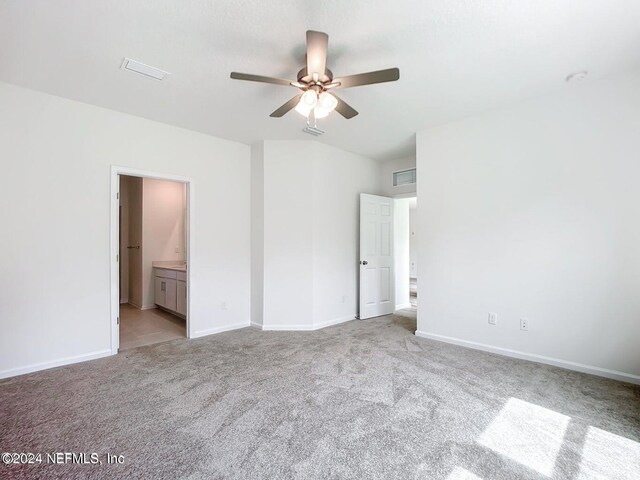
(404, 177)
(315, 131)
(142, 69)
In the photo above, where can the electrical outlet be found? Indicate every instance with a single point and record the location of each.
(493, 318)
(177, 249)
(524, 324)
(344, 298)
(223, 306)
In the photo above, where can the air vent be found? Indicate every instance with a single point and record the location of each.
(404, 177)
(315, 131)
(142, 69)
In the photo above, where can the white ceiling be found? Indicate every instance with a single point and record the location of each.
(455, 58)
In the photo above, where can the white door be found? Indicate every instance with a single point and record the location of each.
(376, 256)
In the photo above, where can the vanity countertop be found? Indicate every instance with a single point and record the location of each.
(177, 266)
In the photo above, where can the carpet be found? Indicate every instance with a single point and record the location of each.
(365, 399)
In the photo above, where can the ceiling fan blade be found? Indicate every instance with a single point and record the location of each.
(369, 78)
(344, 109)
(317, 43)
(291, 104)
(259, 78)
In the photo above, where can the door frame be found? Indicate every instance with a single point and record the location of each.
(114, 263)
(402, 196)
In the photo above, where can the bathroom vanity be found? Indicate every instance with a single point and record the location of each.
(171, 288)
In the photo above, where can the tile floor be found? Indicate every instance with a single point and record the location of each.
(146, 327)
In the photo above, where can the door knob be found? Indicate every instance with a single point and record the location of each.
(364, 262)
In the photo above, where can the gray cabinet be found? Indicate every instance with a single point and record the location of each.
(171, 293)
(181, 298)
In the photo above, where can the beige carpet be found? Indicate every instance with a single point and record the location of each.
(366, 399)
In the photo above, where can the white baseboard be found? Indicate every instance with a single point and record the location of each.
(335, 321)
(256, 325)
(578, 367)
(12, 372)
(403, 306)
(149, 307)
(287, 328)
(226, 328)
(308, 328)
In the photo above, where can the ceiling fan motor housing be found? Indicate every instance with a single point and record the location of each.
(304, 77)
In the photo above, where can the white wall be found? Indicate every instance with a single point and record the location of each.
(55, 299)
(413, 243)
(401, 245)
(534, 211)
(310, 249)
(338, 179)
(257, 233)
(288, 234)
(395, 165)
(163, 216)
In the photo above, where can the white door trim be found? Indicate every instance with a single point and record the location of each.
(116, 171)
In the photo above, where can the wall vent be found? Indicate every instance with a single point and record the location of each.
(404, 177)
(142, 69)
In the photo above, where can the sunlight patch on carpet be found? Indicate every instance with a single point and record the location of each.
(460, 473)
(607, 455)
(527, 433)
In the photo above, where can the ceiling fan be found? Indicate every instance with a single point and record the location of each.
(315, 80)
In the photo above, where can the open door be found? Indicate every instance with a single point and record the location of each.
(376, 256)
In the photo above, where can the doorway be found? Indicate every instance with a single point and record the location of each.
(406, 261)
(388, 276)
(150, 269)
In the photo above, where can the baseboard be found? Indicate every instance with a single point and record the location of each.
(578, 367)
(149, 307)
(125, 301)
(256, 325)
(213, 331)
(335, 321)
(308, 328)
(36, 367)
(287, 328)
(403, 306)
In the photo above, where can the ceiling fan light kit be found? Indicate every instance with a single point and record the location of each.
(315, 79)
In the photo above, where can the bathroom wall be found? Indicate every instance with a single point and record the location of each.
(130, 234)
(163, 209)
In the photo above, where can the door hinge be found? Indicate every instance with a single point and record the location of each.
(118, 320)
(118, 195)
(117, 257)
